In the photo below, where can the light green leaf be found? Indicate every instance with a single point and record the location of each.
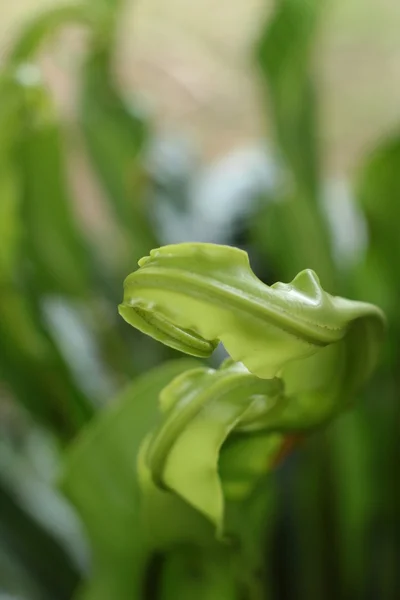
(125, 524)
(202, 408)
(306, 353)
(190, 296)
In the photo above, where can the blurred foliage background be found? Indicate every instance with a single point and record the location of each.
(123, 126)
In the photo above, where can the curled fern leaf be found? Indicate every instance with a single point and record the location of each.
(201, 408)
(191, 296)
(299, 355)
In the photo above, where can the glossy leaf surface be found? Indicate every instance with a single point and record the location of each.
(306, 353)
(201, 408)
(191, 296)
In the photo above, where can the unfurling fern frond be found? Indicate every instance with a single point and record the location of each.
(299, 356)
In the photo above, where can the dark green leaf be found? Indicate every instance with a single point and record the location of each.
(46, 387)
(378, 191)
(44, 560)
(54, 243)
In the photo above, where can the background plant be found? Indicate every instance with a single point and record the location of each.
(333, 505)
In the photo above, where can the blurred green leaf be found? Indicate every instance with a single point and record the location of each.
(352, 460)
(30, 39)
(10, 184)
(15, 582)
(46, 387)
(306, 497)
(42, 237)
(115, 137)
(60, 257)
(284, 55)
(106, 8)
(293, 229)
(32, 366)
(377, 191)
(200, 576)
(101, 479)
(36, 550)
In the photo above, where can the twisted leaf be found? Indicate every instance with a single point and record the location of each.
(202, 407)
(302, 354)
(191, 296)
(101, 479)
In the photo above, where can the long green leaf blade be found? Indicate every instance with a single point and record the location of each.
(293, 229)
(115, 139)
